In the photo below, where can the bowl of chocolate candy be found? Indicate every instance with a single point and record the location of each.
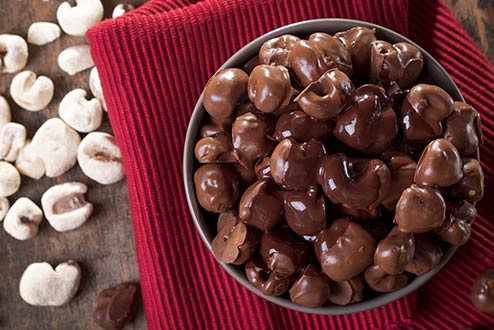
(331, 166)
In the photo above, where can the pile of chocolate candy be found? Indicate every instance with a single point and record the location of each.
(336, 170)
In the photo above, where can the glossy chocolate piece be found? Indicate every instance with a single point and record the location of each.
(395, 251)
(336, 53)
(215, 126)
(302, 127)
(347, 292)
(394, 92)
(378, 280)
(260, 206)
(215, 149)
(305, 213)
(275, 51)
(471, 186)
(482, 294)
(344, 250)
(116, 306)
(224, 91)
(385, 63)
(250, 137)
(457, 228)
(422, 112)
(402, 172)
(311, 289)
(427, 255)
(420, 210)
(269, 87)
(217, 187)
(283, 253)
(263, 169)
(235, 242)
(326, 97)
(247, 175)
(369, 125)
(355, 182)
(412, 62)
(463, 129)
(268, 282)
(357, 41)
(293, 165)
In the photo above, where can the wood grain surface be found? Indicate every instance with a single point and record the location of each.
(104, 246)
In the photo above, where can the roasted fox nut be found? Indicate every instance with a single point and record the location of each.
(402, 172)
(217, 187)
(463, 129)
(301, 127)
(395, 251)
(457, 228)
(215, 149)
(420, 210)
(305, 213)
(268, 282)
(260, 206)
(224, 91)
(347, 292)
(379, 280)
(354, 182)
(326, 97)
(269, 87)
(275, 51)
(440, 164)
(294, 165)
(344, 250)
(471, 186)
(369, 125)
(427, 255)
(422, 112)
(311, 288)
(357, 41)
(250, 138)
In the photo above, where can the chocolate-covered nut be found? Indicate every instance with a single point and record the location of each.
(301, 127)
(385, 63)
(311, 289)
(336, 55)
(482, 294)
(427, 255)
(263, 169)
(355, 182)
(235, 242)
(370, 124)
(250, 64)
(116, 306)
(250, 137)
(378, 228)
(394, 92)
(217, 187)
(305, 213)
(394, 252)
(215, 126)
(260, 206)
(275, 51)
(357, 41)
(347, 292)
(420, 210)
(270, 283)
(412, 61)
(344, 250)
(269, 87)
(402, 173)
(457, 228)
(471, 186)
(355, 213)
(247, 175)
(226, 89)
(326, 97)
(379, 280)
(440, 164)
(215, 149)
(463, 129)
(283, 253)
(422, 112)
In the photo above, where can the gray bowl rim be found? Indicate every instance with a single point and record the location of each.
(304, 28)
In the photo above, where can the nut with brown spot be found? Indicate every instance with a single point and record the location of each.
(10, 180)
(12, 139)
(31, 92)
(30, 164)
(13, 53)
(4, 207)
(79, 113)
(23, 219)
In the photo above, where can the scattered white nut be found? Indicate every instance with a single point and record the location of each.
(79, 113)
(100, 159)
(41, 285)
(30, 92)
(75, 59)
(95, 86)
(78, 19)
(10, 179)
(5, 115)
(23, 219)
(121, 9)
(4, 207)
(12, 139)
(28, 163)
(13, 53)
(56, 144)
(42, 33)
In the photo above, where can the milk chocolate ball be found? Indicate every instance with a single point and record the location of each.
(302, 127)
(427, 255)
(471, 186)
(402, 172)
(305, 213)
(268, 282)
(269, 87)
(378, 280)
(395, 251)
(215, 149)
(347, 292)
(482, 294)
(335, 52)
(311, 289)
(275, 51)
(457, 228)
(463, 129)
(261, 206)
(412, 62)
(357, 41)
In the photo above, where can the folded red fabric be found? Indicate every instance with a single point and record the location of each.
(153, 65)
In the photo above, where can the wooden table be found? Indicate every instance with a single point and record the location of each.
(104, 246)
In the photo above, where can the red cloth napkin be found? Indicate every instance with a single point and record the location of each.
(153, 65)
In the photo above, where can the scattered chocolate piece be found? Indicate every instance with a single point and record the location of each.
(347, 292)
(394, 252)
(427, 255)
(116, 306)
(483, 292)
(380, 281)
(311, 289)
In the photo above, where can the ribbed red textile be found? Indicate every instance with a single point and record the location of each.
(153, 65)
